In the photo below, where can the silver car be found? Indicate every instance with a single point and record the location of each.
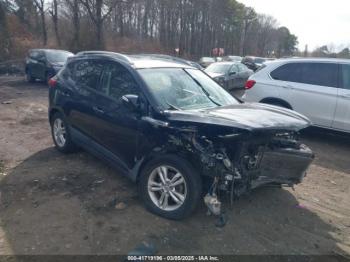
(230, 75)
(316, 88)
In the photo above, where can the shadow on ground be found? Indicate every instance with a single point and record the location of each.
(57, 204)
(331, 148)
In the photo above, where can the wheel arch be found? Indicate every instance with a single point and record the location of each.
(275, 100)
(54, 111)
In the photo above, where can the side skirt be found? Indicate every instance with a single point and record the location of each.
(99, 151)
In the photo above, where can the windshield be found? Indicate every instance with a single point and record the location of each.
(58, 56)
(218, 68)
(185, 89)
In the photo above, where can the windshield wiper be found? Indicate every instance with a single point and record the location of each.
(172, 107)
(203, 89)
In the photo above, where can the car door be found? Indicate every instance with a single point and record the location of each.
(117, 126)
(40, 65)
(82, 108)
(310, 88)
(243, 75)
(342, 113)
(34, 64)
(233, 77)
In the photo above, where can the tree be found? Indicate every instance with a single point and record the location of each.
(54, 14)
(286, 42)
(98, 11)
(40, 5)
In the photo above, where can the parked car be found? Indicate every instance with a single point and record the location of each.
(43, 64)
(317, 88)
(230, 75)
(232, 58)
(169, 127)
(206, 61)
(253, 63)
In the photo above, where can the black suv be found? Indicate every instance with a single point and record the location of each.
(169, 127)
(44, 63)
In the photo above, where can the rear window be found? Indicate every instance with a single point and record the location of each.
(87, 73)
(321, 74)
(346, 76)
(288, 72)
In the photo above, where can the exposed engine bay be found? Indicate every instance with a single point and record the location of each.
(238, 163)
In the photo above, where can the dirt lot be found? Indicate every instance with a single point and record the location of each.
(56, 204)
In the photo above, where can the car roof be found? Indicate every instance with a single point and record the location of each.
(140, 61)
(45, 50)
(311, 59)
(226, 63)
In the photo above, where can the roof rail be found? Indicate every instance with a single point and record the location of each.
(125, 58)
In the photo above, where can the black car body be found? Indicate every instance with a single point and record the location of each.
(230, 75)
(169, 127)
(254, 63)
(43, 64)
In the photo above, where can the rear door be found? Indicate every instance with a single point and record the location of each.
(233, 77)
(243, 75)
(342, 114)
(36, 64)
(313, 92)
(83, 107)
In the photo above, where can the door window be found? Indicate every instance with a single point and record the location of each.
(117, 82)
(345, 76)
(242, 67)
(321, 74)
(234, 69)
(288, 72)
(87, 73)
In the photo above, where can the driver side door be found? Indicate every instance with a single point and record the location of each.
(117, 126)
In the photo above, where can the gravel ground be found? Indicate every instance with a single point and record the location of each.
(76, 204)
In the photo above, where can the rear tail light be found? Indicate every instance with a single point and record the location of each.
(249, 84)
(52, 82)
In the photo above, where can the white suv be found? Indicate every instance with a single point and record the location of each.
(316, 88)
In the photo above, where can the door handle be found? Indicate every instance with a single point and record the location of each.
(98, 110)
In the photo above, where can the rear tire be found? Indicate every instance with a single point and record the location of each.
(181, 191)
(61, 135)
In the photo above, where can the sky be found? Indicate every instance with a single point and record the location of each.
(314, 22)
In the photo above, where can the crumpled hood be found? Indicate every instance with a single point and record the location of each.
(249, 116)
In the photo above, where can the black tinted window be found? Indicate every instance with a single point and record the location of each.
(88, 72)
(346, 76)
(117, 81)
(322, 74)
(288, 72)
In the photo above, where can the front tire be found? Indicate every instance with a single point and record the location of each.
(60, 134)
(170, 187)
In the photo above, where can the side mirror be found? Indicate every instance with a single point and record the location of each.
(131, 102)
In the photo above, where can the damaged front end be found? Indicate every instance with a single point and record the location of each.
(236, 149)
(239, 162)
